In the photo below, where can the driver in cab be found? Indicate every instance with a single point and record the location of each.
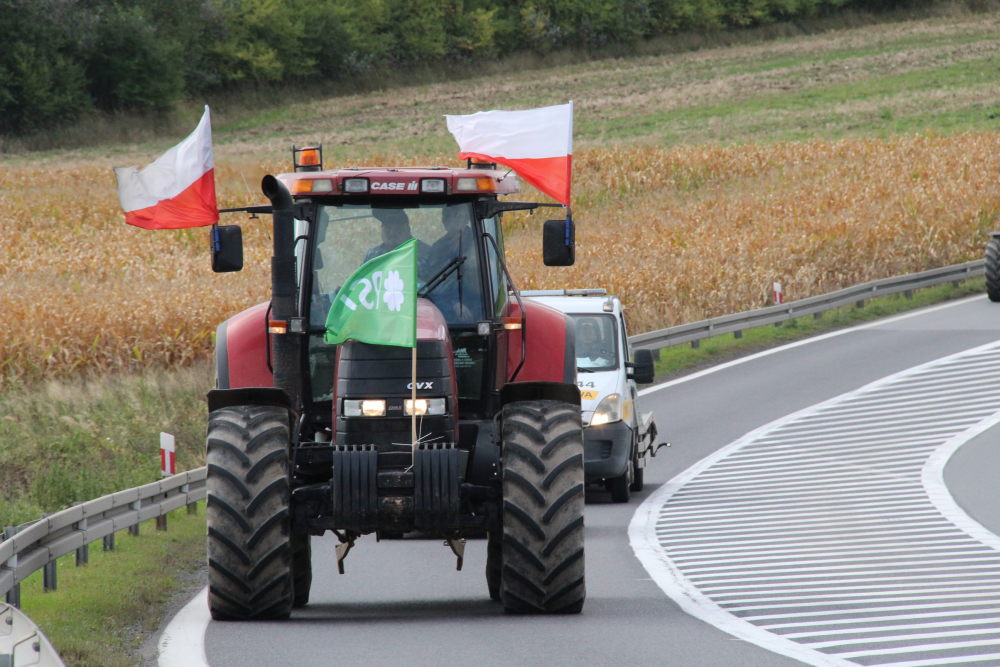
(395, 232)
(459, 288)
(589, 347)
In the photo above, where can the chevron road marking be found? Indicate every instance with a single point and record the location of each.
(829, 535)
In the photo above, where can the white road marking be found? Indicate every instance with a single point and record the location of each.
(183, 642)
(837, 517)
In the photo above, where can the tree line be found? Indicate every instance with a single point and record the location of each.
(60, 59)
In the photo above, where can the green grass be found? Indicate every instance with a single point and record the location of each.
(681, 359)
(101, 612)
(62, 442)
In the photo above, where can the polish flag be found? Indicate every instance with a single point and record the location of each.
(175, 191)
(536, 143)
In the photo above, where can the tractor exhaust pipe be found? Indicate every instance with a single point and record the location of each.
(287, 351)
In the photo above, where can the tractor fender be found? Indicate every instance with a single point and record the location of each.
(241, 350)
(231, 398)
(514, 392)
(550, 353)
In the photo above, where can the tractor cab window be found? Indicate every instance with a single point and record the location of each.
(348, 235)
(447, 261)
(497, 297)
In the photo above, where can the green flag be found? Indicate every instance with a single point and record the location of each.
(378, 303)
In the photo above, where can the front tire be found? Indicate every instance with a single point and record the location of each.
(249, 543)
(543, 502)
(993, 269)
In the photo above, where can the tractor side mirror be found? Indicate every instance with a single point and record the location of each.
(227, 248)
(559, 242)
(643, 371)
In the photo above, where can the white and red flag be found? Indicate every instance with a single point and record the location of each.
(175, 191)
(536, 143)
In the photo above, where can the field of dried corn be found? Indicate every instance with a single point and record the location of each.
(679, 233)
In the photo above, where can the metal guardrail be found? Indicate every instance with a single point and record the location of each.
(22, 642)
(695, 331)
(37, 544)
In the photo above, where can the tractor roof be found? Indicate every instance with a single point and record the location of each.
(437, 181)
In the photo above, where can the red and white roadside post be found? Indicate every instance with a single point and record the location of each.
(779, 298)
(168, 467)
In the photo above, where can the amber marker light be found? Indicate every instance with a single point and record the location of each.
(511, 323)
(277, 326)
(309, 158)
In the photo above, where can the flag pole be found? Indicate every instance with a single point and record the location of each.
(413, 399)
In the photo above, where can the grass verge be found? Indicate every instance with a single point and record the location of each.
(102, 611)
(683, 359)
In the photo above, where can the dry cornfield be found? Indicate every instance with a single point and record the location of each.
(679, 233)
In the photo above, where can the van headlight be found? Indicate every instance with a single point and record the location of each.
(610, 410)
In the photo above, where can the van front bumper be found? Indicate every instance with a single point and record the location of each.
(606, 450)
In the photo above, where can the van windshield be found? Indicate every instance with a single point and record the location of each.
(596, 342)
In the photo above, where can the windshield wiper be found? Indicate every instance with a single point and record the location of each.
(441, 276)
(585, 370)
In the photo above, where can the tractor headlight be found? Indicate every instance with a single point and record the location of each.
(432, 185)
(364, 408)
(356, 185)
(425, 406)
(610, 410)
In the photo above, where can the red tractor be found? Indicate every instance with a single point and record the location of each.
(306, 437)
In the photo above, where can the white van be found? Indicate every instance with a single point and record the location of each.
(618, 438)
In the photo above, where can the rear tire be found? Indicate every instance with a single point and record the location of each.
(249, 544)
(543, 501)
(621, 486)
(637, 481)
(993, 269)
(302, 568)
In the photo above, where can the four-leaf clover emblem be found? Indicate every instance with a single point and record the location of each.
(393, 291)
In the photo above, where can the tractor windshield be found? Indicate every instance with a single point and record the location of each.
(447, 260)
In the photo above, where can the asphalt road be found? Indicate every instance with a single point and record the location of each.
(403, 603)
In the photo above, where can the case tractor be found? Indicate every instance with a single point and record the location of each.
(306, 437)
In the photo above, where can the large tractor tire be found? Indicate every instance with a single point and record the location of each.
(993, 269)
(302, 569)
(250, 556)
(543, 504)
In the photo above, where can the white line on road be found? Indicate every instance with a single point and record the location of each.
(183, 642)
(699, 565)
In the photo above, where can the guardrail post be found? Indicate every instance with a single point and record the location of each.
(861, 303)
(696, 344)
(818, 315)
(193, 507)
(109, 542)
(82, 553)
(161, 522)
(908, 294)
(737, 334)
(13, 597)
(134, 529)
(50, 580)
